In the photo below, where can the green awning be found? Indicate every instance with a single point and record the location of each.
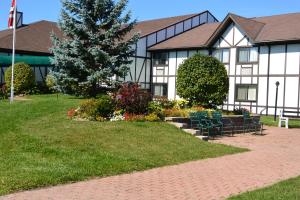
(30, 60)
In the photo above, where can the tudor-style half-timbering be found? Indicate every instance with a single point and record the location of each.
(165, 66)
(254, 63)
(241, 58)
(141, 70)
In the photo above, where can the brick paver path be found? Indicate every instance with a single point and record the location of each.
(274, 157)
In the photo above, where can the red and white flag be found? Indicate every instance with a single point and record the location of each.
(12, 11)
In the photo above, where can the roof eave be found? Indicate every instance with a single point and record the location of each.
(178, 48)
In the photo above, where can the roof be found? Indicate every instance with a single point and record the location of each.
(251, 27)
(194, 38)
(34, 37)
(275, 28)
(147, 27)
(279, 28)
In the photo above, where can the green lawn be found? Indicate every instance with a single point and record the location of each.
(269, 121)
(40, 146)
(286, 190)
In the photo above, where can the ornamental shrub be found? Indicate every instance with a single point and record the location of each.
(176, 112)
(152, 118)
(24, 80)
(96, 109)
(203, 81)
(166, 103)
(156, 108)
(240, 111)
(132, 99)
(105, 106)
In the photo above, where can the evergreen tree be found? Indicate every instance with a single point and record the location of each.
(94, 48)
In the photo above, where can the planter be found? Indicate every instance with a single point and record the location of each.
(237, 120)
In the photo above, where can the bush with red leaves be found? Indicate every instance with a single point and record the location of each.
(132, 99)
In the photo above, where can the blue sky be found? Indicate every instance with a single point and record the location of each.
(35, 10)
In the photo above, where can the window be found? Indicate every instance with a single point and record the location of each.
(246, 70)
(222, 55)
(246, 93)
(160, 90)
(160, 71)
(161, 59)
(248, 55)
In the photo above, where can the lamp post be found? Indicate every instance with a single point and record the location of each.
(277, 85)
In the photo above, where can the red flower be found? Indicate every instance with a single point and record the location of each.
(71, 113)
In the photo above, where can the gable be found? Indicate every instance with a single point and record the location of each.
(232, 36)
(246, 27)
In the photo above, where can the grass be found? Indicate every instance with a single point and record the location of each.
(285, 190)
(40, 146)
(269, 121)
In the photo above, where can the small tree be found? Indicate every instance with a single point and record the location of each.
(203, 80)
(24, 80)
(94, 48)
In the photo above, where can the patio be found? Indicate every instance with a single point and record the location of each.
(273, 157)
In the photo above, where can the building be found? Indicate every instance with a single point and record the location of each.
(32, 47)
(257, 52)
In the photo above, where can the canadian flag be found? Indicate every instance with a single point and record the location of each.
(12, 11)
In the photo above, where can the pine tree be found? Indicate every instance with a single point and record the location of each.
(94, 48)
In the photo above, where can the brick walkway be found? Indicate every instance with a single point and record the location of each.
(274, 157)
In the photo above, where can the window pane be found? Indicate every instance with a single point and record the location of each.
(222, 55)
(254, 54)
(242, 94)
(157, 90)
(246, 71)
(243, 55)
(161, 90)
(160, 72)
(252, 94)
(226, 56)
(165, 90)
(161, 59)
(217, 54)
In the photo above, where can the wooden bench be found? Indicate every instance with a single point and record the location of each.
(286, 115)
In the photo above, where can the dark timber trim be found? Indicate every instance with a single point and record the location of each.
(151, 74)
(135, 62)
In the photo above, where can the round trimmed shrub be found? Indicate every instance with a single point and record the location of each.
(24, 80)
(203, 81)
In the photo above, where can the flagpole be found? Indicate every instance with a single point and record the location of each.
(13, 54)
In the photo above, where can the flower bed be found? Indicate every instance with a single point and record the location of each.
(130, 103)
